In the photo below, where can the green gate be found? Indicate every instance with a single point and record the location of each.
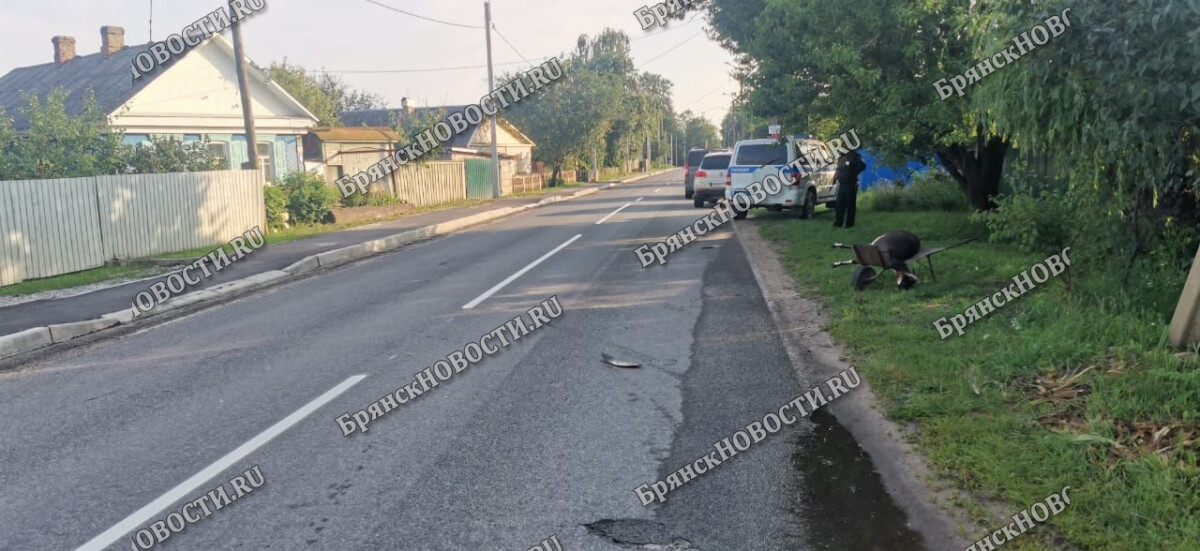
(479, 179)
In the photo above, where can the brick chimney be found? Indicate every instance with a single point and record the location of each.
(64, 49)
(112, 39)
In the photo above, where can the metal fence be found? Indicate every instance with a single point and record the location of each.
(479, 178)
(58, 226)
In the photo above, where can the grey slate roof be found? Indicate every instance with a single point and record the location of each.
(385, 117)
(109, 78)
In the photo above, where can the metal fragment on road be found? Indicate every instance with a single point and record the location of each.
(619, 363)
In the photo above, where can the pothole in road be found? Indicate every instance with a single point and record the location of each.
(640, 534)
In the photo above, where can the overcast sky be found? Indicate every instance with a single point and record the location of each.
(355, 35)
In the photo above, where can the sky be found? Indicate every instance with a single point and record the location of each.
(356, 35)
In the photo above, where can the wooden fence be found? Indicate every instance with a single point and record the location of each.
(53, 227)
(430, 183)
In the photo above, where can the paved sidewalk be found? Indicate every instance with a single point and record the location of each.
(41, 313)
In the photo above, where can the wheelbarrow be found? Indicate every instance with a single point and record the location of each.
(891, 251)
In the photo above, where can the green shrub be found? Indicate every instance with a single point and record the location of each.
(355, 199)
(277, 202)
(1038, 222)
(884, 197)
(309, 197)
(935, 190)
(930, 190)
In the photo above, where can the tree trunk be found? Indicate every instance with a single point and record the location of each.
(554, 176)
(977, 170)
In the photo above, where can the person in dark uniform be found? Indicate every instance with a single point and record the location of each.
(846, 175)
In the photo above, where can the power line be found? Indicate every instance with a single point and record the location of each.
(382, 5)
(666, 30)
(671, 49)
(706, 94)
(510, 45)
(435, 70)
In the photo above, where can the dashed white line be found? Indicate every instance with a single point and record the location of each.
(520, 273)
(639, 199)
(614, 213)
(656, 191)
(141, 516)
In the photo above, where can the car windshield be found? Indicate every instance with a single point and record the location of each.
(761, 154)
(694, 157)
(715, 162)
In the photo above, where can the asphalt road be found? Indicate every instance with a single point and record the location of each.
(542, 439)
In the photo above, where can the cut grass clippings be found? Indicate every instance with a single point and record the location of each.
(1050, 390)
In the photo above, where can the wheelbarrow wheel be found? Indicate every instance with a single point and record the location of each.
(863, 276)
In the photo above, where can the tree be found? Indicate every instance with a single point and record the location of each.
(872, 71)
(169, 154)
(569, 119)
(59, 144)
(327, 96)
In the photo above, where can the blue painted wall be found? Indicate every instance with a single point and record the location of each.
(877, 173)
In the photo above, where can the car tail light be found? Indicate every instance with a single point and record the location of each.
(728, 179)
(702, 174)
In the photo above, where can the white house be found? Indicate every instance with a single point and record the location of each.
(194, 97)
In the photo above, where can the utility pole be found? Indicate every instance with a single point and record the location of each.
(244, 88)
(487, 18)
(647, 150)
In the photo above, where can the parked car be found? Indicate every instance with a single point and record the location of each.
(754, 159)
(709, 184)
(692, 164)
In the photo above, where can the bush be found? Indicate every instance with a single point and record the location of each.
(277, 202)
(373, 199)
(930, 190)
(935, 190)
(309, 198)
(884, 197)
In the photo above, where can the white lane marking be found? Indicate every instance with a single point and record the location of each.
(656, 191)
(614, 213)
(145, 514)
(639, 199)
(512, 278)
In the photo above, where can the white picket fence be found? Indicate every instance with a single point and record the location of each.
(59, 226)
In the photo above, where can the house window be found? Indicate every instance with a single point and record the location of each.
(136, 139)
(266, 156)
(220, 150)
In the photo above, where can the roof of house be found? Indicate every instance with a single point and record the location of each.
(109, 78)
(386, 118)
(363, 134)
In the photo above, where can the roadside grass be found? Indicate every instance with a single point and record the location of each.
(1054, 389)
(77, 279)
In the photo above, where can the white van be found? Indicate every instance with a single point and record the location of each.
(753, 160)
(709, 184)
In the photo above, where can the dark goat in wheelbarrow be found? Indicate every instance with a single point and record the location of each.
(891, 251)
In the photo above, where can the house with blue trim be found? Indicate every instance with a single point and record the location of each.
(193, 97)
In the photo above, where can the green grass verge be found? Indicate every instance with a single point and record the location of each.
(1124, 436)
(77, 279)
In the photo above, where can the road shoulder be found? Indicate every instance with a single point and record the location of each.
(800, 322)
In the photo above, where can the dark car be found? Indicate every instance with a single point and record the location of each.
(693, 164)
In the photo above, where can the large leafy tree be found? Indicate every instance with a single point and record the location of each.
(869, 65)
(326, 95)
(1114, 102)
(602, 106)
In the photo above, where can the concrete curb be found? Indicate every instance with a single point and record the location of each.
(40, 337)
(29, 339)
